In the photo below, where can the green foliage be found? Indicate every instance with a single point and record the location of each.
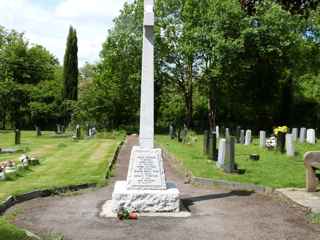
(212, 59)
(70, 67)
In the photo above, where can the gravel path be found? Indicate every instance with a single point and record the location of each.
(216, 214)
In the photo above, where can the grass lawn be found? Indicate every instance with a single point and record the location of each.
(273, 169)
(63, 162)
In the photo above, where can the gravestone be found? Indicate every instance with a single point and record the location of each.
(229, 165)
(248, 137)
(184, 134)
(311, 136)
(38, 130)
(146, 189)
(221, 153)
(59, 129)
(17, 139)
(206, 142)
(213, 146)
(289, 145)
(171, 131)
(227, 133)
(302, 135)
(295, 134)
(242, 137)
(218, 132)
(238, 132)
(263, 139)
(210, 150)
(78, 131)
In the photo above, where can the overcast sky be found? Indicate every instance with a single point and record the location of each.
(47, 22)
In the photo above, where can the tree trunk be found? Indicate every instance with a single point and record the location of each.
(212, 106)
(189, 96)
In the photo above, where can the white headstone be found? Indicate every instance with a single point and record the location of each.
(221, 152)
(218, 132)
(289, 145)
(248, 137)
(263, 139)
(227, 133)
(295, 134)
(302, 135)
(311, 136)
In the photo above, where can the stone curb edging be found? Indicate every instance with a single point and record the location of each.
(235, 186)
(114, 159)
(13, 200)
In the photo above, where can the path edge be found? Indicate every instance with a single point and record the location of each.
(13, 200)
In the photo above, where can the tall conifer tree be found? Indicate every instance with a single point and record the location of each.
(70, 67)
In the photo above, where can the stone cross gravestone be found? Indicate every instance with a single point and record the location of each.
(248, 137)
(146, 189)
(302, 135)
(262, 139)
(295, 134)
(311, 136)
(289, 145)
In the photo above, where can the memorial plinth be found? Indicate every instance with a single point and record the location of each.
(146, 189)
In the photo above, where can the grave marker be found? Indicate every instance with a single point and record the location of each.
(302, 135)
(248, 137)
(263, 139)
(289, 145)
(311, 136)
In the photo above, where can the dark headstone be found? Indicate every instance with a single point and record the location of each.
(213, 146)
(206, 142)
(238, 134)
(229, 162)
(78, 131)
(17, 138)
(38, 130)
(281, 142)
(171, 132)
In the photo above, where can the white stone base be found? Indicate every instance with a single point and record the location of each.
(145, 200)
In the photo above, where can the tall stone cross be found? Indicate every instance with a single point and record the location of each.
(146, 189)
(147, 82)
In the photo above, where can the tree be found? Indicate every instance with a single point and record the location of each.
(70, 67)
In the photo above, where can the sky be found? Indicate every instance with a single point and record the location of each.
(47, 22)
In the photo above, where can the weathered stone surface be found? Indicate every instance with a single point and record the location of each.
(311, 163)
(311, 136)
(242, 136)
(295, 134)
(248, 137)
(221, 153)
(218, 132)
(146, 170)
(229, 165)
(263, 139)
(302, 135)
(145, 200)
(289, 145)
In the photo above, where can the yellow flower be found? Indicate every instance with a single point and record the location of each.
(283, 129)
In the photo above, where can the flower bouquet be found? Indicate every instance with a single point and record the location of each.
(280, 133)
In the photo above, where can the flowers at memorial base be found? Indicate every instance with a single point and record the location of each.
(125, 214)
(279, 130)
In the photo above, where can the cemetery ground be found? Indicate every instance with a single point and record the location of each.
(215, 213)
(63, 162)
(274, 169)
